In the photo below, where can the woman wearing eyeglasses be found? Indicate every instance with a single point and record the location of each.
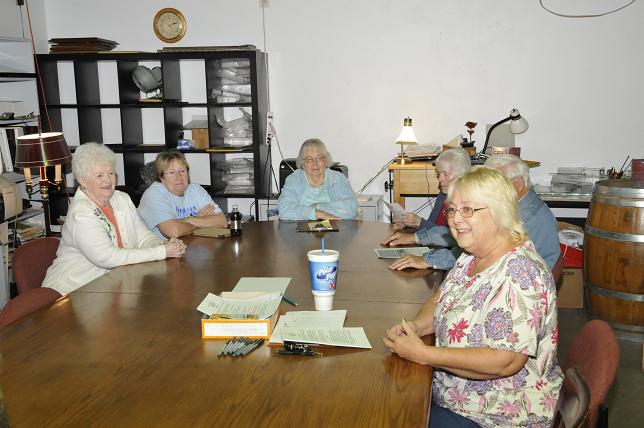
(314, 191)
(172, 206)
(494, 317)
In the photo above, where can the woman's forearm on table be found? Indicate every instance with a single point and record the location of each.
(476, 363)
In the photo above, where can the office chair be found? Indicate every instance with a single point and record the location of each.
(26, 303)
(31, 261)
(572, 409)
(595, 350)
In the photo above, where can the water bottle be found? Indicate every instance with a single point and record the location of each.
(235, 222)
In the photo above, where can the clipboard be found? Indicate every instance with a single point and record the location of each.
(317, 226)
(212, 232)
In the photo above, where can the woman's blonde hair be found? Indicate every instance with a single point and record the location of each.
(490, 188)
(164, 159)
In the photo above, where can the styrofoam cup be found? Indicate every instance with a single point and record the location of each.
(323, 301)
(323, 273)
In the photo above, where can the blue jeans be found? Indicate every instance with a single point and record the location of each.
(440, 417)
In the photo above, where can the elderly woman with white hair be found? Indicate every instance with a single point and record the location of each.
(102, 228)
(494, 317)
(450, 165)
(314, 191)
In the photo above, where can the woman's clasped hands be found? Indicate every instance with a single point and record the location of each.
(403, 339)
(174, 248)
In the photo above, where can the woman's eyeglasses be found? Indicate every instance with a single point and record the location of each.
(465, 212)
(175, 173)
(318, 159)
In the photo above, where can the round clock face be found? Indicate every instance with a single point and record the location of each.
(169, 25)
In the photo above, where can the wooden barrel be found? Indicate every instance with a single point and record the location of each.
(614, 254)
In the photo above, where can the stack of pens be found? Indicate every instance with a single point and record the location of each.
(240, 346)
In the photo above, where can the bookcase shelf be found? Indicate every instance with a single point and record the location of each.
(76, 85)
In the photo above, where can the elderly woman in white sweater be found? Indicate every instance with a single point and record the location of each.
(102, 229)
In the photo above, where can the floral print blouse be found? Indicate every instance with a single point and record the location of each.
(511, 306)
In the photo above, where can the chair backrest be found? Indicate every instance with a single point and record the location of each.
(148, 174)
(572, 409)
(557, 268)
(27, 303)
(31, 261)
(595, 350)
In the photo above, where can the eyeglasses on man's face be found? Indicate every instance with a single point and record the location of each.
(317, 159)
(465, 212)
(175, 173)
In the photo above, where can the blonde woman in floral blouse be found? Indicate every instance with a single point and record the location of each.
(494, 317)
(102, 229)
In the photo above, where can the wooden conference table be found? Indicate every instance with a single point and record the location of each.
(126, 349)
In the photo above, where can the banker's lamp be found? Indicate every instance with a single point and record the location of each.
(406, 137)
(518, 125)
(40, 151)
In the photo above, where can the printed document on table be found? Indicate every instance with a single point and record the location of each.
(394, 253)
(264, 306)
(307, 319)
(352, 337)
(265, 284)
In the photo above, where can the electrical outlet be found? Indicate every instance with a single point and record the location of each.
(263, 3)
(270, 131)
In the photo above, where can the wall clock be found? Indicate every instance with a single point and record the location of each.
(169, 25)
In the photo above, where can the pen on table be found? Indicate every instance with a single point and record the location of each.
(289, 300)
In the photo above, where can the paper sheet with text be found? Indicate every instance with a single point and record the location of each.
(263, 305)
(353, 337)
(331, 319)
(266, 284)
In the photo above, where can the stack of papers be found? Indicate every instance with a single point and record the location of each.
(322, 328)
(251, 296)
(249, 310)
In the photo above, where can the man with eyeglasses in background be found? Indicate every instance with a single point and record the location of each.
(172, 206)
(535, 214)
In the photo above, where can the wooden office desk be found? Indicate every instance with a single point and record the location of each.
(414, 179)
(125, 350)
(419, 179)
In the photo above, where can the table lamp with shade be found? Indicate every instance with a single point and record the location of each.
(40, 151)
(406, 137)
(518, 125)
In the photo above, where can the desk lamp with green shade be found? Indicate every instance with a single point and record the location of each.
(406, 137)
(40, 151)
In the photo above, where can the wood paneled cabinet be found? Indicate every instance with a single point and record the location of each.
(413, 179)
(92, 97)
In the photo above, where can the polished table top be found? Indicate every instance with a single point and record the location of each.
(126, 349)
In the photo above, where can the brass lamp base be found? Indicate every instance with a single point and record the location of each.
(403, 160)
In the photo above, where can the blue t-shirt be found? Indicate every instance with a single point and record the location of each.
(158, 204)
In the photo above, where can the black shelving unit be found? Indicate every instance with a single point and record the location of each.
(90, 110)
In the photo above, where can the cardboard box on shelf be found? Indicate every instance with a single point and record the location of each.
(199, 128)
(200, 137)
(570, 289)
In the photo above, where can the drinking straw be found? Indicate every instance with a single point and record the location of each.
(322, 246)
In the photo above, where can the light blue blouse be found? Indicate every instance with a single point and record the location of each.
(297, 197)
